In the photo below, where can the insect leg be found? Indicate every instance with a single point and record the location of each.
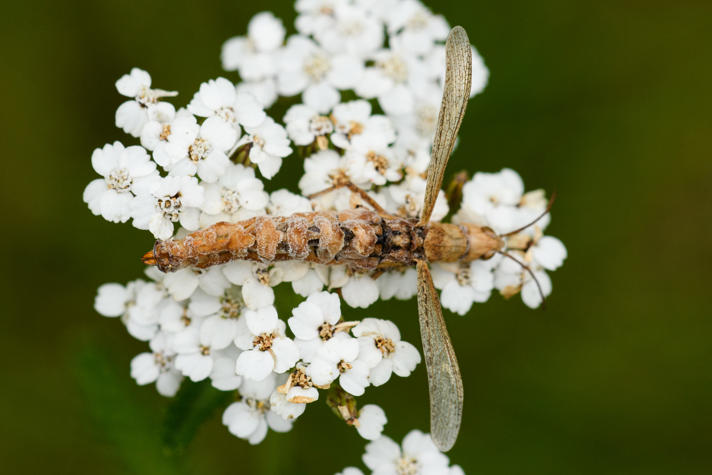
(359, 191)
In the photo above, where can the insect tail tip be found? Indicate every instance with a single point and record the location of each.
(149, 259)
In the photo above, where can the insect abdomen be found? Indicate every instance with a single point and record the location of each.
(359, 238)
(355, 237)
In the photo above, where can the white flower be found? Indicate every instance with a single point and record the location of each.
(370, 422)
(417, 128)
(298, 388)
(315, 15)
(406, 199)
(254, 279)
(158, 127)
(268, 144)
(112, 299)
(335, 358)
(357, 128)
(402, 285)
(304, 125)
(218, 97)
(353, 31)
(380, 343)
(264, 90)
(131, 116)
(372, 166)
(283, 203)
(350, 471)
(316, 315)
(237, 195)
(286, 410)
(157, 366)
(464, 283)
(314, 323)
(417, 28)
(223, 375)
(253, 56)
(127, 171)
(174, 317)
(489, 199)
(194, 357)
(304, 67)
(142, 316)
(223, 322)
(182, 283)
(251, 417)
(172, 199)
(200, 149)
(394, 79)
(510, 278)
(548, 252)
(418, 456)
(266, 347)
(312, 281)
(320, 169)
(287, 271)
(360, 291)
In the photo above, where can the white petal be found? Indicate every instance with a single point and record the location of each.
(144, 369)
(371, 421)
(111, 300)
(286, 354)
(240, 419)
(238, 272)
(254, 364)
(181, 284)
(213, 282)
(381, 451)
(381, 373)
(321, 97)
(277, 423)
(550, 252)
(259, 434)
(257, 295)
(217, 332)
(322, 371)
(405, 358)
(261, 321)
(168, 383)
(131, 117)
(457, 298)
(360, 292)
(196, 366)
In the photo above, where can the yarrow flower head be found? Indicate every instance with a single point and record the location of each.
(358, 91)
(417, 455)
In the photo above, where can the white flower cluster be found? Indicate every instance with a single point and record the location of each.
(498, 200)
(222, 325)
(417, 456)
(363, 81)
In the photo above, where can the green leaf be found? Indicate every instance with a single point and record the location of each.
(194, 404)
(129, 428)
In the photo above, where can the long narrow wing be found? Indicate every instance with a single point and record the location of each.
(444, 381)
(458, 82)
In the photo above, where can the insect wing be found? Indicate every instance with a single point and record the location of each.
(458, 83)
(444, 380)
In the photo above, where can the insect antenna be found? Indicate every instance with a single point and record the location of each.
(546, 211)
(531, 273)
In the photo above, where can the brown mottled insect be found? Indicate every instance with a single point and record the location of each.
(371, 241)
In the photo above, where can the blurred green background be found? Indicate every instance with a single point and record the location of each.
(607, 102)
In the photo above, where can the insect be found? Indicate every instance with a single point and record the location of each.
(372, 241)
